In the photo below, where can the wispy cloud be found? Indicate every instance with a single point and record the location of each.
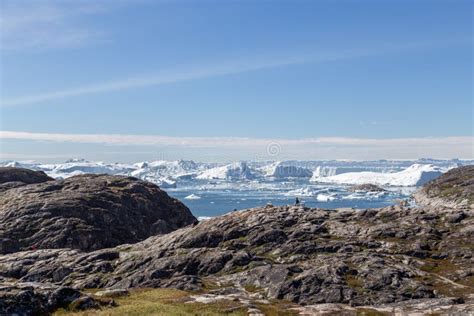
(216, 70)
(130, 147)
(39, 25)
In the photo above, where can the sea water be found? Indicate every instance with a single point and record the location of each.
(213, 198)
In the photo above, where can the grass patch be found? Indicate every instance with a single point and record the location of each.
(209, 285)
(252, 288)
(447, 269)
(354, 282)
(281, 308)
(370, 312)
(442, 267)
(162, 302)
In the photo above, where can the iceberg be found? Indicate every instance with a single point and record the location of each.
(415, 175)
(325, 197)
(306, 191)
(324, 172)
(281, 170)
(204, 218)
(76, 167)
(193, 197)
(166, 183)
(367, 196)
(234, 171)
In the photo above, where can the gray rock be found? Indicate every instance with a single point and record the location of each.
(380, 257)
(367, 187)
(86, 212)
(25, 176)
(454, 189)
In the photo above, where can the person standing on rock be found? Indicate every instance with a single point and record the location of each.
(297, 201)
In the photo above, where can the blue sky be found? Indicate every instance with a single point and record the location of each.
(302, 74)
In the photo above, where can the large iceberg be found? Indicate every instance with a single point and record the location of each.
(164, 173)
(282, 170)
(264, 174)
(76, 167)
(415, 175)
(233, 171)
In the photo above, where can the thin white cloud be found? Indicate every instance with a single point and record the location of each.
(157, 140)
(144, 81)
(216, 70)
(38, 25)
(142, 147)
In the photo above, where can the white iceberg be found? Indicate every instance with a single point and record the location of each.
(234, 171)
(415, 175)
(306, 191)
(193, 197)
(368, 196)
(166, 183)
(325, 197)
(204, 218)
(281, 170)
(76, 167)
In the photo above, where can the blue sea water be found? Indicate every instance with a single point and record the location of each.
(217, 198)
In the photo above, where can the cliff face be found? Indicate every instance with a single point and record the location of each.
(454, 189)
(374, 257)
(85, 212)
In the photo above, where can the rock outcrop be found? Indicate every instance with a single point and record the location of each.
(374, 257)
(308, 256)
(86, 212)
(42, 299)
(454, 189)
(15, 177)
(367, 187)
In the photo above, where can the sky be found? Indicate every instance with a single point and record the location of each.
(229, 80)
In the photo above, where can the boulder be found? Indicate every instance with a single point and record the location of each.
(86, 212)
(15, 177)
(43, 299)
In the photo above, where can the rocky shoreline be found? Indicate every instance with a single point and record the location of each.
(392, 259)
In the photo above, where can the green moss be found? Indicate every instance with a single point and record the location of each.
(354, 282)
(209, 284)
(252, 288)
(277, 308)
(442, 267)
(447, 269)
(162, 302)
